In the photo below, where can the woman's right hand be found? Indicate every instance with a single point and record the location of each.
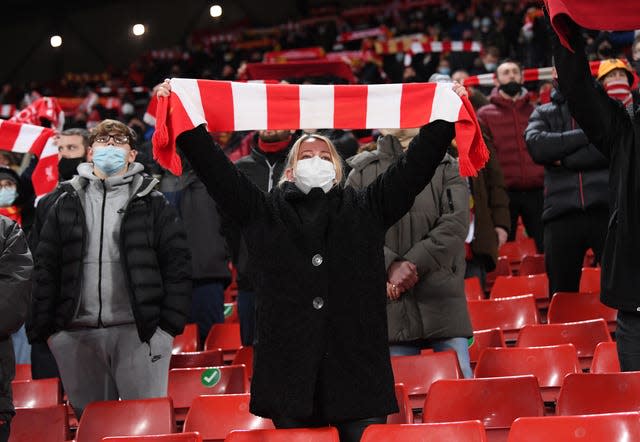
(163, 89)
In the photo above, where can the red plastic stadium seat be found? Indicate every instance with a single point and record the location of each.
(496, 402)
(185, 384)
(612, 427)
(536, 285)
(231, 312)
(126, 418)
(418, 372)
(226, 337)
(231, 412)
(482, 339)
(244, 356)
(548, 364)
(405, 415)
(207, 358)
(605, 358)
(503, 268)
(37, 393)
(574, 306)
(532, 265)
(328, 434)
(467, 431)
(47, 424)
(584, 335)
(590, 280)
(175, 437)
(473, 289)
(187, 341)
(508, 314)
(592, 393)
(517, 250)
(23, 372)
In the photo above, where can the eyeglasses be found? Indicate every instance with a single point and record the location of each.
(117, 139)
(7, 186)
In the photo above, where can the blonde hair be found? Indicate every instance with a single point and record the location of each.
(292, 157)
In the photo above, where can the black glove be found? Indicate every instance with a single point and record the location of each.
(438, 133)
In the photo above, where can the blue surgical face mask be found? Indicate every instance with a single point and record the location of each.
(7, 196)
(109, 159)
(444, 71)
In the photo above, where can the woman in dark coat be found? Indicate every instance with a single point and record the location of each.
(320, 355)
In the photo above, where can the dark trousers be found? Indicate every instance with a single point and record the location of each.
(628, 340)
(566, 240)
(246, 316)
(475, 267)
(5, 428)
(528, 204)
(43, 364)
(350, 431)
(207, 305)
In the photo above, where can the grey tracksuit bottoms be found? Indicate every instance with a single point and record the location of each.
(111, 363)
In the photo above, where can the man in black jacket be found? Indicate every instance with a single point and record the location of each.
(73, 145)
(15, 285)
(616, 135)
(576, 209)
(112, 278)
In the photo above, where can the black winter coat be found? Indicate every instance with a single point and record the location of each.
(16, 266)
(321, 329)
(609, 127)
(264, 171)
(155, 259)
(580, 181)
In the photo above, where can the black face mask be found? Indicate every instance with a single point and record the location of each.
(67, 167)
(511, 89)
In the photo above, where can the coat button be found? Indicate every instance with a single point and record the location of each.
(318, 303)
(316, 260)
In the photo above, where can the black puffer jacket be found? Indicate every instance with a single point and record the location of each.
(321, 329)
(155, 259)
(576, 174)
(16, 265)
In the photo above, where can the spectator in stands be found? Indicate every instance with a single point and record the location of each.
(16, 266)
(616, 77)
(73, 145)
(423, 255)
(263, 167)
(503, 122)
(14, 206)
(608, 126)
(576, 207)
(321, 352)
(209, 252)
(112, 279)
(635, 54)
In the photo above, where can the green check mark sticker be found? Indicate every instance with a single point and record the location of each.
(210, 377)
(228, 310)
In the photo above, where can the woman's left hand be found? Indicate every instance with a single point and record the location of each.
(460, 90)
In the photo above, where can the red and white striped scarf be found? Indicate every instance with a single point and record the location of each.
(619, 90)
(37, 140)
(44, 108)
(232, 106)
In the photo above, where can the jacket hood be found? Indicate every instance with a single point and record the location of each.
(85, 170)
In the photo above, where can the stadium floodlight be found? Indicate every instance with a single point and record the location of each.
(56, 41)
(138, 29)
(215, 11)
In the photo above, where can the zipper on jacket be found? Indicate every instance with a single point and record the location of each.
(104, 204)
(271, 168)
(581, 190)
(450, 200)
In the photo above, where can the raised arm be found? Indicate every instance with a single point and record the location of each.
(392, 194)
(602, 119)
(236, 196)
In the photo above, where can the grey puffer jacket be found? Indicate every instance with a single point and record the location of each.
(432, 237)
(16, 266)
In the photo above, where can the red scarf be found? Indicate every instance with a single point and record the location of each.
(12, 212)
(273, 147)
(620, 90)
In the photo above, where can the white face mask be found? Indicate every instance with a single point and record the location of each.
(314, 172)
